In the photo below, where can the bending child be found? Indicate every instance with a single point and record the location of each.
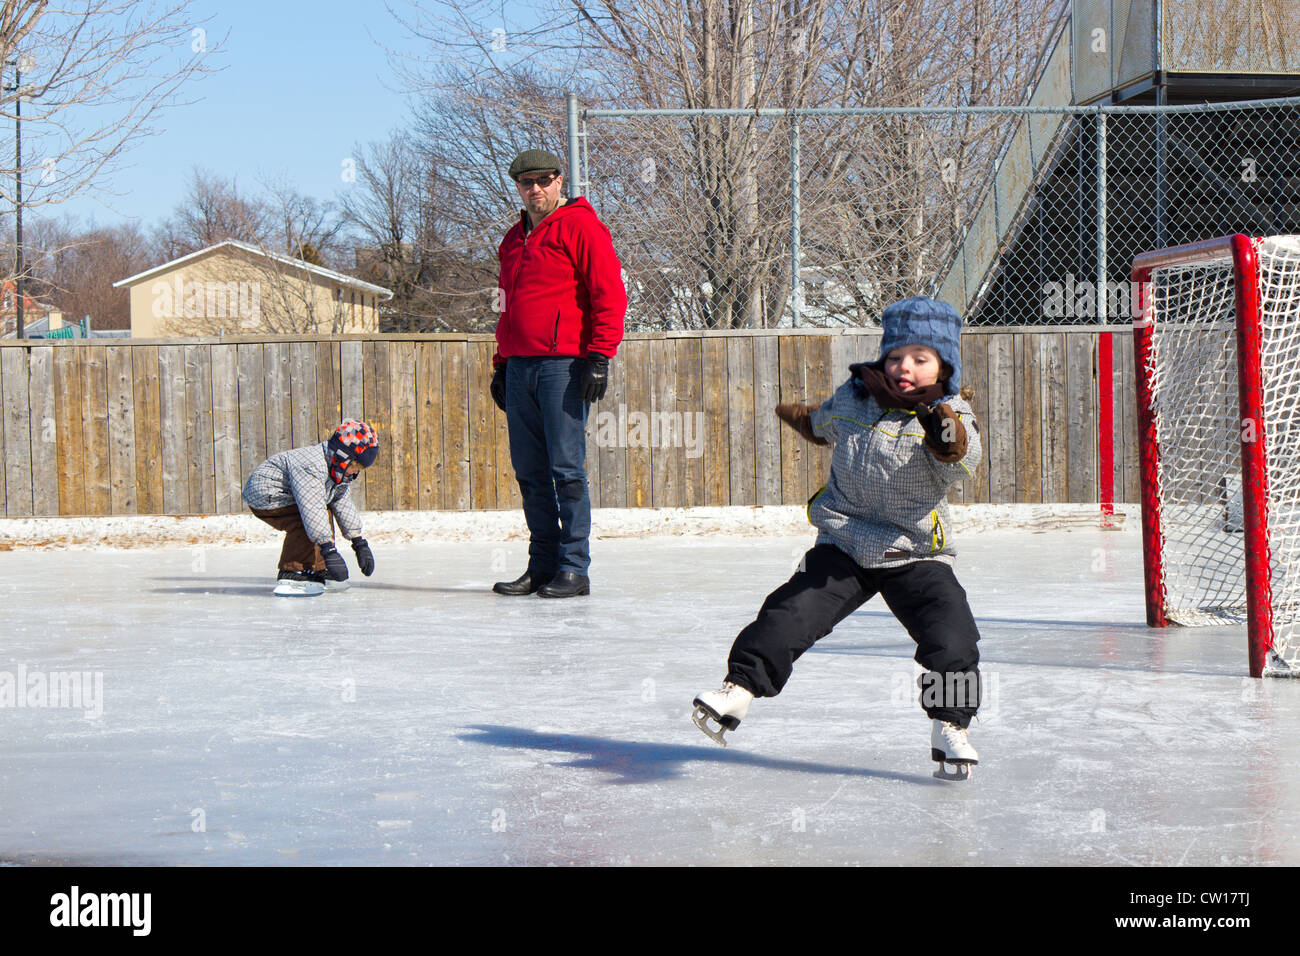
(903, 433)
(302, 492)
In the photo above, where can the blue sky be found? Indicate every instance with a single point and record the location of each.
(303, 83)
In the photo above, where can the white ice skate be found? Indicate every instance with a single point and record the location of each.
(726, 706)
(298, 584)
(332, 585)
(950, 745)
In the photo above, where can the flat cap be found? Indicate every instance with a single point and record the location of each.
(535, 161)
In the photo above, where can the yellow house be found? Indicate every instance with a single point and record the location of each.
(234, 288)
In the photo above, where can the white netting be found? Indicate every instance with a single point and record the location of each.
(1193, 381)
(1192, 374)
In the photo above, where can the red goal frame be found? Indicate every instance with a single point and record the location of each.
(1250, 397)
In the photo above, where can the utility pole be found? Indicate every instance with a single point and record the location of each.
(20, 268)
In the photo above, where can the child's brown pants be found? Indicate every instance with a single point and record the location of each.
(299, 552)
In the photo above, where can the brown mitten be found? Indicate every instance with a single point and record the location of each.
(945, 435)
(799, 417)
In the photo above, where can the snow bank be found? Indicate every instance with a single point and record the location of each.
(155, 531)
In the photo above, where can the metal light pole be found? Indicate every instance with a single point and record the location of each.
(17, 89)
(18, 198)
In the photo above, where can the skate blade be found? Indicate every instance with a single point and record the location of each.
(701, 717)
(298, 589)
(960, 771)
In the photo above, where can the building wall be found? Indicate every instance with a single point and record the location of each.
(231, 292)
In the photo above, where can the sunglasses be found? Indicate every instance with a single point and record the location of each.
(526, 183)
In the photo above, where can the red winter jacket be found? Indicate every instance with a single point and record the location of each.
(561, 287)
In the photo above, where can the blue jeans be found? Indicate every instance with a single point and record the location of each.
(548, 448)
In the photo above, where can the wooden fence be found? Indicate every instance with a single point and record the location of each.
(174, 427)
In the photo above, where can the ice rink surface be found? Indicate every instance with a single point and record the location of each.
(420, 719)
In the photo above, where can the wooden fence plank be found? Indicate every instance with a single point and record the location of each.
(690, 409)
(45, 465)
(1029, 419)
(174, 427)
(305, 428)
(17, 432)
(507, 489)
(740, 420)
(228, 480)
(482, 428)
(767, 427)
(1080, 352)
(252, 409)
(817, 387)
(278, 397)
(148, 430)
(794, 465)
(639, 476)
(95, 431)
(199, 449)
(68, 413)
(329, 384)
(665, 458)
(121, 430)
(377, 388)
(974, 373)
(352, 404)
(715, 442)
(1056, 446)
(611, 437)
(456, 427)
(428, 424)
(402, 453)
(1002, 438)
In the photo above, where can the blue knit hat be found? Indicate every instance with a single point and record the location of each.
(924, 321)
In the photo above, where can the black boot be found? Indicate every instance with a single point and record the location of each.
(566, 584)
(529, 583)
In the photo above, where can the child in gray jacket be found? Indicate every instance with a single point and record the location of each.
(302, 492)
(902, 434)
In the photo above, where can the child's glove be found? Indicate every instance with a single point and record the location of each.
(945, 435)
(334, 565)
(799, 417)
(365, 558)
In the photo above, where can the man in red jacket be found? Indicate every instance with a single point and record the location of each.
(562, 305)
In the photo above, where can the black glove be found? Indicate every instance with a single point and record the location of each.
(945, 435)
(365, 557)
(334, 565)
(499, 386)
(596, 378)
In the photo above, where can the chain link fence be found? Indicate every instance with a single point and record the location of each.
(1019, 216)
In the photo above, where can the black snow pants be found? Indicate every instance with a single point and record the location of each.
(924, 596)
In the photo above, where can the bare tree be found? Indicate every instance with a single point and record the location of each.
(700, 207)
(74, 268)
(95, 78)
(212, 211)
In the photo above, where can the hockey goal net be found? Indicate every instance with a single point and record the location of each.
(1217, 343)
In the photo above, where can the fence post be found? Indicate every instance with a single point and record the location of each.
(1105, 353)
(571, 123)
(796, 284)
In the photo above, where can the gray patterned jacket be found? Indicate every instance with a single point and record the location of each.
(301, 477)
(884, 503)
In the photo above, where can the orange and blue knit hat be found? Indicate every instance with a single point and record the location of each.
(353, 440)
